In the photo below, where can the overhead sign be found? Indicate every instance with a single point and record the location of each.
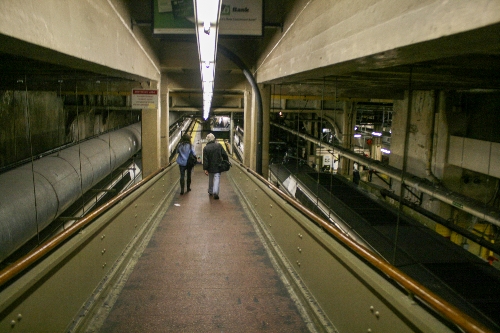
(237, 17)
(144, 99)
(241, 17)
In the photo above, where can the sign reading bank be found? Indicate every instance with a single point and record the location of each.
(237, 17)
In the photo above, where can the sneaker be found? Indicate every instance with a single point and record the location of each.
(216, 197)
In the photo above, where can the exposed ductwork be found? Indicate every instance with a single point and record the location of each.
(38, 192)
(175, 137)
(457, 200)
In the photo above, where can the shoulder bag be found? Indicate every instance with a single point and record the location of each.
(224, 165)
(191, 160)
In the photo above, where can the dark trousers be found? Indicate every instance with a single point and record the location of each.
(183, 170)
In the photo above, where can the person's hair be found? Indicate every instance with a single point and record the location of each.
(186, 138)
(210, 137)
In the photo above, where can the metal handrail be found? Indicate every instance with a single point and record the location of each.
(459, 201)
(445, 309)
(29, 259)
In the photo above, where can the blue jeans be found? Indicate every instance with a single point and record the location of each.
(213, 183)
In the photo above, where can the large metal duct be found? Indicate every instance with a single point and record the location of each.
(175, 137)
(457, 200)
(36, 193)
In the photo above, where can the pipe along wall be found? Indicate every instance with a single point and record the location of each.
(37, 193)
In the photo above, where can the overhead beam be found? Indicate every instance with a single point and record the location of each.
(199, 109)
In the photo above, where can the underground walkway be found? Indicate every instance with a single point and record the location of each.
(204, 269)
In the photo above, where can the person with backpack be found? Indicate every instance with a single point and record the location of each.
(186, 162)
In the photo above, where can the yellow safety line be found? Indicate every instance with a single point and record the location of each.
(195, 129)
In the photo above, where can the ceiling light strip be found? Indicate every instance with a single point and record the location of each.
(207, 30)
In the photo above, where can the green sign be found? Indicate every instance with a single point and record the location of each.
(237, 17)
(173, 17)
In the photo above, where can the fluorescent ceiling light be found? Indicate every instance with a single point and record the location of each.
(207, 30)
(208, 86)
(207, 11)
(208, 72)
(207, 47)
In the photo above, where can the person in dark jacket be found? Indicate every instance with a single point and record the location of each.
(355, 175)
(213, 154)
(183, 150)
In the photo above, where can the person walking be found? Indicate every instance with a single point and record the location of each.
(183, 151)
(355, 174)
(213, 154)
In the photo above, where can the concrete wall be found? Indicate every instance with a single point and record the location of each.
(434, 117)
(28, 123)
(34, 122)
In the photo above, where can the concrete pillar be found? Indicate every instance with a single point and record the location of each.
(151, 144)
(265, 92)
(248, 128)
(439, 147)
(315, 129)
(420, 137)
(440, 137)
(164, 123)
(375, 148)
(231, 134)
(312, 128)
(348, 123)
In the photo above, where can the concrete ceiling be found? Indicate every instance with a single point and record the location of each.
(473, 66)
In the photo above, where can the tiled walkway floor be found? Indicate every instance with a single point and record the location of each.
(204, 270)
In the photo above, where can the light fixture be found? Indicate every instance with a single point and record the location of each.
(207, 30)
(357, 135)
(376, 134)
(385, 151)
(208, 86)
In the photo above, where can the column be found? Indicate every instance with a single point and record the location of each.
(265, 92)
(164, 123)
(248, 130)
(348, 122)
(151, 140)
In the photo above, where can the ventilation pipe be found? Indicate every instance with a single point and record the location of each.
(38, 192)
(468, 205)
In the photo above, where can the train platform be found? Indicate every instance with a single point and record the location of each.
(204, 269)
